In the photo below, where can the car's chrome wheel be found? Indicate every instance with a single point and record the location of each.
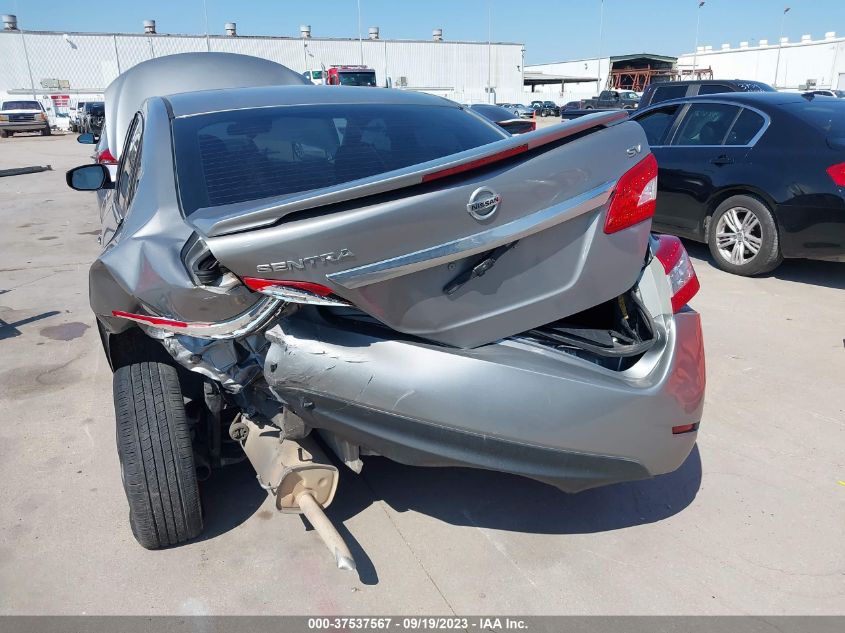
(739, 235)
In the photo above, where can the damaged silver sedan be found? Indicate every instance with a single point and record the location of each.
(385, 271)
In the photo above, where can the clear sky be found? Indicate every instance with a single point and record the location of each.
(552, 30)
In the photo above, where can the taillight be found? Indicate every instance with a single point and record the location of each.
(672, 254)
(295, 291)
(635, 197)
(684, 428)
(837, 173)
(106, 158)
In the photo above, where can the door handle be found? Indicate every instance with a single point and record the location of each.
(722, 160)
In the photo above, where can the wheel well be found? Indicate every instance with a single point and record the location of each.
(723, 195)
(134, 346)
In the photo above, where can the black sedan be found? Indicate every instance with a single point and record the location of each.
(504, 118)
(757, 176)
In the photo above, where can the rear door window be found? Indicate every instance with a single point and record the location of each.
(706, 124)
(664, 93)
(228, 157)
(745, 128)
(712, 89)
(657, 123)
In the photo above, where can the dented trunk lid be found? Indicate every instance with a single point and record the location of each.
(396, 245)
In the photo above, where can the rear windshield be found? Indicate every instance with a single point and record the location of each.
(492, 112)
(357, 78)
(826, 115)
(228, 157)
(21, 105)
(97, 109)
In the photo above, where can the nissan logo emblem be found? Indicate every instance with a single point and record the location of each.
(483, 203)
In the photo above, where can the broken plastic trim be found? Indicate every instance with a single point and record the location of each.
(258, 315)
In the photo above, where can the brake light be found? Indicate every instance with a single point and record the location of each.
(672, 254)
(475, 164)
(106, 158)
(296, 291)
(635, 197)
(837, 173)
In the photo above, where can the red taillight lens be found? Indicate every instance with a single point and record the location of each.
(106, 158)
(253, 283)
(672, 254)
(635, 197)
(837, 173)
(305, 292)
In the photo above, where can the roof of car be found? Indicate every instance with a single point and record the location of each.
(190, 103)
(740, 98)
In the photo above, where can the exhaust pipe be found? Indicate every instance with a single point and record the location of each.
(298, 475)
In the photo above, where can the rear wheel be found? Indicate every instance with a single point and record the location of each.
(156, 455)
(743, 237)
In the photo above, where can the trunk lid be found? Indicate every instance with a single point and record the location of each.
(401, 247)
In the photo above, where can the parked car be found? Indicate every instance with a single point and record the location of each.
(665, 90)
(546, 108)
(529, 323)
(612, 99)
(759, 176)
(75, 114)
(839, 94)
(520, 110)
(93, 117)
(20, 115)
(504, 118)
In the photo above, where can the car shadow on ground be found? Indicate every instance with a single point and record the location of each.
(805, 271)
(498, 501)
(229, 497)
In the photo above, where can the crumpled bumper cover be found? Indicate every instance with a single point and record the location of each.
(509, 406)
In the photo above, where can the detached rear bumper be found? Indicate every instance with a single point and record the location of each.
(512, 406)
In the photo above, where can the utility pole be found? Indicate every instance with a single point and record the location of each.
(695, 51)
(489, 47)
(780, 44)
(360, 41)
(205, 12)
(601, 35)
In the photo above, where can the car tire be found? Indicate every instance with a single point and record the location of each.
(740, 225)
(588, 107)
(46, 131)
(4, 134)
(156, 455)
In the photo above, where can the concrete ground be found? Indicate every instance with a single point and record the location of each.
(752, 523)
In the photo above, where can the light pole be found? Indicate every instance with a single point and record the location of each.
(360, 41)
(780, 44)
(601, 34)
(695, 51)
(489, 47)
(205, 12)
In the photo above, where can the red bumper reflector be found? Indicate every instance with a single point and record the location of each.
(684, 428)
(837, 173)
(475, 164)
(254, 283)
(152, 320)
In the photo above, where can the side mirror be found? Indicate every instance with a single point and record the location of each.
(87, 139)
(89, 178)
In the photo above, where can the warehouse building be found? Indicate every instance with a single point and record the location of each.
(73, 64)
(583, 78)
(801, 65)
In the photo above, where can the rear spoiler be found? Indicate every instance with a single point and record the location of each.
(245, 216)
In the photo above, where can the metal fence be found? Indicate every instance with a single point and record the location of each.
(85, 63)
